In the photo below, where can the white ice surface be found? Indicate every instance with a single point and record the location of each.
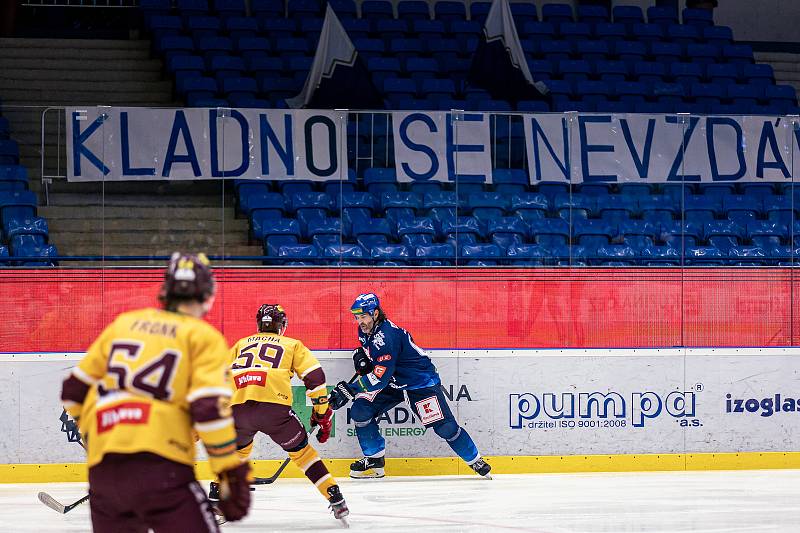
(718, 502)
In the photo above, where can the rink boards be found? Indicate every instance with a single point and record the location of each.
(529, 410)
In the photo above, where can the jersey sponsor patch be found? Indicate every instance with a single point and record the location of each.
(429, 410)
(386, 357)
(253, 377)
(379, 370)
(373, 379)
(124, 413)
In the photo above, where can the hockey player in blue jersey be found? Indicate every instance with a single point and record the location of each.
(392, 369)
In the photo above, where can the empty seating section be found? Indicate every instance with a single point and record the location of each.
(22, 233)
(377, 221)
(419, 55)
(627, 59)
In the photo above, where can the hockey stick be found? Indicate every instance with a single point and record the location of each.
(271, 479)
(60, 507)
(69, 427)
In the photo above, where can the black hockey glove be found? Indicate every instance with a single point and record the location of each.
(361, 362)
(340, 395)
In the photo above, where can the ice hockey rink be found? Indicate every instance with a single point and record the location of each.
(707, 502)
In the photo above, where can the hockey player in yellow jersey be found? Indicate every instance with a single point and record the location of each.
(150, 378)
(263, 365)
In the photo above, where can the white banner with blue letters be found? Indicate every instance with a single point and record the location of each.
(135, 143)
(123, 144)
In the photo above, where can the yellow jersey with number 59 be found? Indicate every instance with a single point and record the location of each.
(148, 366)
(263, 365)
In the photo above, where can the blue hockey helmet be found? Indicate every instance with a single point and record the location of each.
(365, 303)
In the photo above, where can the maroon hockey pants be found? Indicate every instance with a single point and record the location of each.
(130, 493)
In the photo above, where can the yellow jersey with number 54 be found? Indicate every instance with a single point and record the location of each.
(148, 366)
(263, 365)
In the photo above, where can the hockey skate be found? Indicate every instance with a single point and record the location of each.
(367, 468)
(482, 468)
(213, 497)
(337, 505)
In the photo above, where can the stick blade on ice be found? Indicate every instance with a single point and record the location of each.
(51, 502)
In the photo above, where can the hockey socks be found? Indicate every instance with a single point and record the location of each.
(315, 470)
(458, 439)
(369, 438)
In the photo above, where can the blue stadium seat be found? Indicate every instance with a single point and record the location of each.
(593, 233)
(487, 205)
(627, 14)
(390, 29)
(425, 187)
(664, 255)
(611, 71)
(719, 35)
(204, 27)
(413, 10)
(266, 9)
(683, 34)
(556, 50)
(482, 254)
(574, 206)
(290, 187)
(400, 205)
(235, 89)
(723, 73)
(610, 31)
(359, 30)
(429, 28)
(307, 206)
(189, 8)
(479, 10)
(506, 231)
(575, 31)
(416, 232)
(630, 51)
(742, 208)
(280, 232)
(298, 254)
(658, 208)
(529, 206)
(357, 207)
(324, 232)
(723, 234)
(631, 92)
(738, 53)
(238, 27)
(662, 15)
(677, 234)
(448, 10)
(758, 190)
(435, 254)
(650, 72)
(666, 52)
(256, 196)
(703, 256)
(780, 209)
(461, 230)
(300, 9)
(701, 208)
(344, 8)
(344, 254)
(615, 255)
(635, 189)
(757, 74)
(26, 226)
(766, 233)
(509, 181)
(615, 208)
(550, 232)
(390, 254)
(380, 180)
(592, 50)
(33, 246)
(687, 73)
(702, 53)
(592, 13)
(745, 95)
(698, 17)
(638, 234)
(647, 32)
(557, 13)
(372, 232)
(527, 255)
(13, 178)
(748, 256)
(781, 95)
